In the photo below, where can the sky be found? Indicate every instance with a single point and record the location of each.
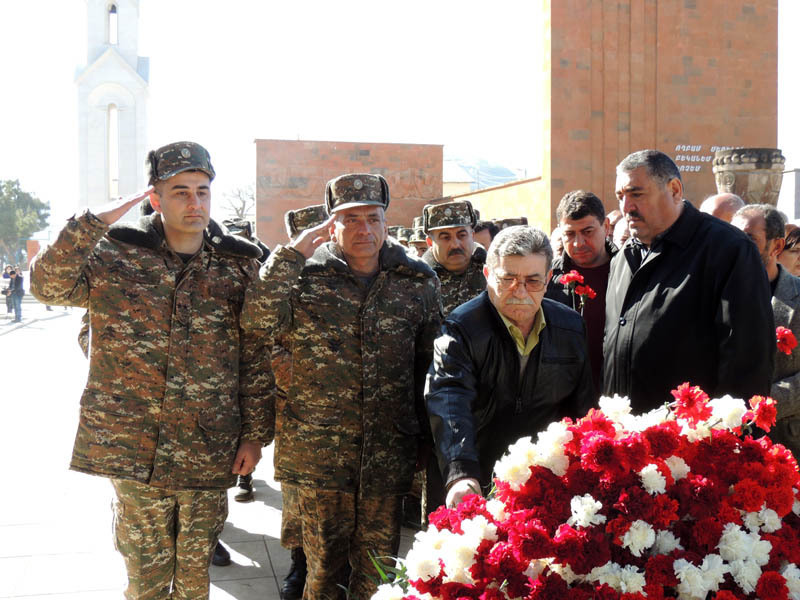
(460, 74)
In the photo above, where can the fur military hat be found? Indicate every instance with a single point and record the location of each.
(176, 158)
(510, 222)
(417, 223)
(404, 234)
(394, 231)
(418, 235)
(458, 213)
(299, 220)
(241, 227)
(356, 189)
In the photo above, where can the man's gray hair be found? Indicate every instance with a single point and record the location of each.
(519, 240)
(660, 167)
(774, 221)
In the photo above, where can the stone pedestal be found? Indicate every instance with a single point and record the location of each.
(753, 174)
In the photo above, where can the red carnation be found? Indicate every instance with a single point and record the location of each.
(765, 412)
(748, 495)
(786, 340)
(585, 290)
(772, 586)
(573, 277)
(691, 403)
(659, 570)
(725, 595)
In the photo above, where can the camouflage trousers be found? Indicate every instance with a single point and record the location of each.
(291, 524)
(341, 527)
(167, 538)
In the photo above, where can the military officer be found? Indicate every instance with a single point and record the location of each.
(296, 222)
(452, 252)
(178, 399)
(417, 238)
(361, 316)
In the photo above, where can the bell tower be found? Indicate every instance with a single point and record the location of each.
(112, 104)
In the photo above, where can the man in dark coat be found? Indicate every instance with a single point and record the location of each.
(506, 364)
(688, 298)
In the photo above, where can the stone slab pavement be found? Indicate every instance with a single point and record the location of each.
(55, 524)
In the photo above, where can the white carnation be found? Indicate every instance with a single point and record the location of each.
(652, 480)
(514, 467)
(584, 511)
(477, 529)
(639, 423)
(639, 537)
(497, 509)
(677, 467)
(792, 575)
(752, 521)
(666, 542)
(770, 521)
(615, 407)
(458, 555)
(565, 571)
(728, 410)
(696, 582)
(695, 433)
(632, 580)
(421, 563)
(734, 543)
(609, 574)
(431, 538)
(746, 574)
(796, 507)
(388, 591)
(760, 549)
(549, 449)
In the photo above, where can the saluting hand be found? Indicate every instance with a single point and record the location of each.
(112, 212)
(311, 238)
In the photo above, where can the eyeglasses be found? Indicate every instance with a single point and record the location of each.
(532, 284)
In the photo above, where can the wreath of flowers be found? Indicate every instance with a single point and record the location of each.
(680, 502)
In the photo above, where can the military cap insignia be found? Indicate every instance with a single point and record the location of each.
(358, 184)
(185, 153)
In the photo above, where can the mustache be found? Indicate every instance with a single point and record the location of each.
(455, 251)
(523, 301)
(635, 214)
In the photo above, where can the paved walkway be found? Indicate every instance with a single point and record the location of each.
(55, 540)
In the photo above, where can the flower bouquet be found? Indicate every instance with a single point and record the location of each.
(578, 290)
(675, 503)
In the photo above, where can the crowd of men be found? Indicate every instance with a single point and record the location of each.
(358, 352)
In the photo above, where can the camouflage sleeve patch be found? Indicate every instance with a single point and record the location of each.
(59, 272)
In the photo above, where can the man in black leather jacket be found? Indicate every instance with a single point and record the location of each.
(506, 364)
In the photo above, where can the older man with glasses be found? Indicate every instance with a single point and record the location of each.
(506, 364)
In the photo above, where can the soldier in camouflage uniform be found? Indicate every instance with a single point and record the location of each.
(417, 238)
(361, 316)
(179, 399)
(458, 261)
(296, 221)
(452, 252)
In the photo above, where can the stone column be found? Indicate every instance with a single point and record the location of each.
(753, 174)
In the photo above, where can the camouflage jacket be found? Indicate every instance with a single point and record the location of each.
(354, 413)
(458, 288)
(174, 383)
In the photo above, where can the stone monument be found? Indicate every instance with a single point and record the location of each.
(753, 174)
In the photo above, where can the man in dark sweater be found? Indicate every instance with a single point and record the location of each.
(587, 250)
